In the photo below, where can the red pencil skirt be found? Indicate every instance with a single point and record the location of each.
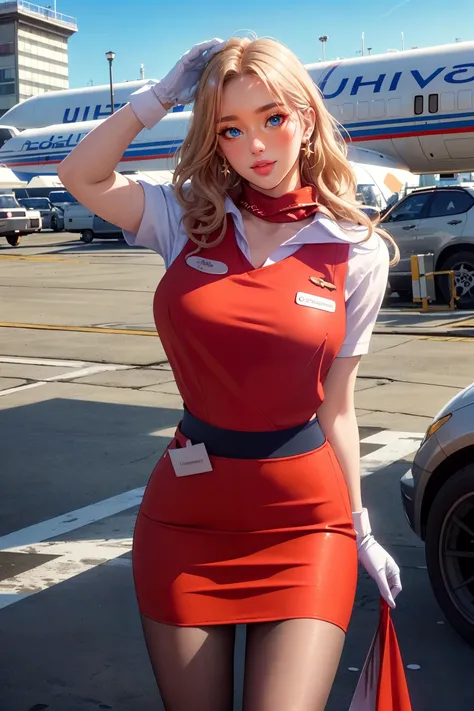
(250, 541)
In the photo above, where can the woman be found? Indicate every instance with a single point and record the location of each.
(274, 280)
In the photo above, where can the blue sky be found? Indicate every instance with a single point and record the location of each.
(156, 33)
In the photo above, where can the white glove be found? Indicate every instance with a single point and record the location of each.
(178, 86)
(377, 562)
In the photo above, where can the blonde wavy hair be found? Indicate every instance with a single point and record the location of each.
(285, 77)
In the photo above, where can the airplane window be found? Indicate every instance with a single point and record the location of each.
(362, 109)
(433, 102)
(348, 111)
(465, 99)
(409, 209)
(5, 135)
(394, 107)
(450, 202)
(448, 101)
(418, 108)
(378, 108)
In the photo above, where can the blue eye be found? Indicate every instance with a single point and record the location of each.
(226, 133)
(278, 117)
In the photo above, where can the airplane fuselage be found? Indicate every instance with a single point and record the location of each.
(415, 107)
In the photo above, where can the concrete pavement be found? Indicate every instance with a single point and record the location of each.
(85, 414)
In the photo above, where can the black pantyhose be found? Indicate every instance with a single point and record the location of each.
(290, 665)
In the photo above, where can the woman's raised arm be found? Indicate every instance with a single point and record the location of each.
(88, 172)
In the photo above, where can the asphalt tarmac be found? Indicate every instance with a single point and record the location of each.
(87, 405)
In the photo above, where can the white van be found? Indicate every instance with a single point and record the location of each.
(78, 218)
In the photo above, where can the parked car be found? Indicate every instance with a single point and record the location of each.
(13, 219)
(78, 218)
(438, 498)
(52, 217)
(35, 223)
(61, 199)
(439, 220)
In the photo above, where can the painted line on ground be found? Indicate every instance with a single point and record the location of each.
(80, 329)
(17, 258)
(71, 521)
(42, 361)
(104, 545)
(396, 445)
(463, 339)
(76, 557)
(72, 375)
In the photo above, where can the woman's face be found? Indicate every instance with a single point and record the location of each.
(260, 140)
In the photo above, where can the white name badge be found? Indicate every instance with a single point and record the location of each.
(192, 459)
(315, 302)
(210, 266)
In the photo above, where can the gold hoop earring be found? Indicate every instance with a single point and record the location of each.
(225, 170)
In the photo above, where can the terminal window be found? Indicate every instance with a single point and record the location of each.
(7, 89)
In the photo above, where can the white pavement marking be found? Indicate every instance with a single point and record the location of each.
(396, 445)
(9, 391)
(72, 375)
(164, 432)
(78, 556)
(42, 361)
(71, 521)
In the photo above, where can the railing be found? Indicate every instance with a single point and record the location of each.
(46, 13)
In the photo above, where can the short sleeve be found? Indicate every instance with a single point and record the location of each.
(160, 229)
(366, 284)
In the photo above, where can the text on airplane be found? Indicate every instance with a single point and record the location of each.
(97, 112)
(458, 74)
(54, 142)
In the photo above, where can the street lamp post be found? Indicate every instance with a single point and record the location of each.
(323, 39)
(111, 56)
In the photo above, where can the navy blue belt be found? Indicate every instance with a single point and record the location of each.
(234, 444)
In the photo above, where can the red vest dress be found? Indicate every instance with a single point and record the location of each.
(252, 540)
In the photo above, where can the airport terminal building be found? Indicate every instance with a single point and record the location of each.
(33, 51)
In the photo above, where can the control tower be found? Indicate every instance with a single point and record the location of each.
(33, 51)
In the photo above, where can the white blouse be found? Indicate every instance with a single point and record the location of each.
(162, 231)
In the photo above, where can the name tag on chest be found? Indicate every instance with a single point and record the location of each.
(315, 302)
(192, 459)
(208, 266)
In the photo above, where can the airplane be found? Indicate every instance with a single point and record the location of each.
(404, 114)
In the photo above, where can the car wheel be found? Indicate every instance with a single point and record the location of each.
(462, 263)
(87, 236)
(14, 241)
(54, 224)
(449, 545)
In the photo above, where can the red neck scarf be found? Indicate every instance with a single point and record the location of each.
(291, 207)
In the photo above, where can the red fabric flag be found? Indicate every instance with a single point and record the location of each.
(382, 685)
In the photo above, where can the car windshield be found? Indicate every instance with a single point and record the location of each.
(61, 196)
(8, 201)
(36, 203)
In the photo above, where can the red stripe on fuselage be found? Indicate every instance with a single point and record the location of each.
(410, 134)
